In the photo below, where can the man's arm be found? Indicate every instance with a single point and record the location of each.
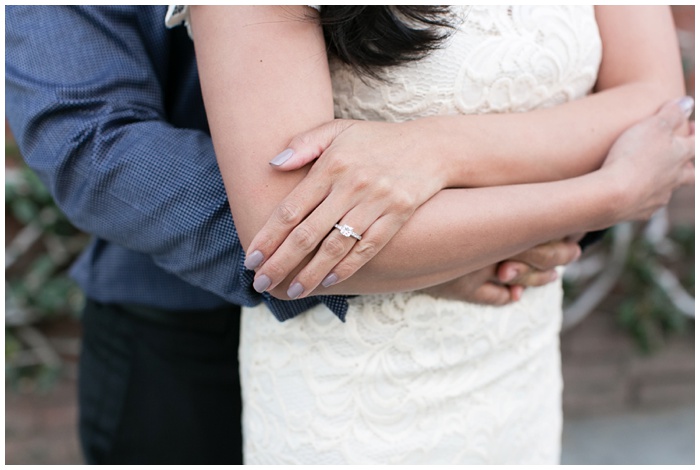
(85, 101)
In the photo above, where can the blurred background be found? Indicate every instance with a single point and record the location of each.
(628, 345)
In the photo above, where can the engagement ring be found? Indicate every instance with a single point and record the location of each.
(346, 231)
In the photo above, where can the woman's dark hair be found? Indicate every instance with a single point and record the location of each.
(367, 37)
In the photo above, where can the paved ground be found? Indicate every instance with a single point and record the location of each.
(641, 438)
(40, 429)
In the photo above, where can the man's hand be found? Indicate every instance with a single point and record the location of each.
(504, 282)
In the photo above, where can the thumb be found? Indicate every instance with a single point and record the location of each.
(308, 146)
(674, 113)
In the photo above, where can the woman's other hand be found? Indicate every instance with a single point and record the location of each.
(366, 178)
(652, 159)
(504, 282)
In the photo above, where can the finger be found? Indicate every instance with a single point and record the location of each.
(675, 113)
(575, 237)
(516, 292)
(373, 240)
(334, 248)
(490, 293)
(508, 271)
(309, 145)
(524, 275)
(537, 278)
(689, 143)
(549, 255)
(688, 170)
(302, 240)
(288, 214)
(688, 175)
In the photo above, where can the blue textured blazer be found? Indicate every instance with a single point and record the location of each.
(105, 105)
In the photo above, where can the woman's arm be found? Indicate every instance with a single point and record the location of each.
(461, 230)
(640, 70)
(402, 165)
(264, 78)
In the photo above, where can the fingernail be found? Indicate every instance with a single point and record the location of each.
(329, 280)
(511, 273)
(262, 283)
(517, 292)
(254, 260)
(295, 290)
(553, 276)
(578, 253)
(282, 157)
(687, 103)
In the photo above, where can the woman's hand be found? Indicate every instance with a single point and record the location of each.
(652, 159)
(504, 282)
(373, 188)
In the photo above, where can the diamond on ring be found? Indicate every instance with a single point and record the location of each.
(346, 231)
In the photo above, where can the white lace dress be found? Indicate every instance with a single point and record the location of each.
(410, 378)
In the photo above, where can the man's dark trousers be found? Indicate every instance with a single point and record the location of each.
(159, 387)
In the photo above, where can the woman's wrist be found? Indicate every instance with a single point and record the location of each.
(427, 143)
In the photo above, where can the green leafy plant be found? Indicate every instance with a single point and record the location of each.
(38, 256)
(651, 311)
(41, 244)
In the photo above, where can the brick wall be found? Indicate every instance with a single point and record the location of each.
(605, 372)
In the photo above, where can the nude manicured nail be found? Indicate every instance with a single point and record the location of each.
(254, 260)
(262, 283)
(329, 280)
(687, 104)
(295, 290)
(282, 157)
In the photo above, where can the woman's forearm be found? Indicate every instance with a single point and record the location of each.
(639, 71)
(265, 79)
(461, 230)
(568, 140)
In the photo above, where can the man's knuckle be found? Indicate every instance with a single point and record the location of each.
(549, 258)
(497, 298)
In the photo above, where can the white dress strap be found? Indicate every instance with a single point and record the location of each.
(180, 14)
(177, 15)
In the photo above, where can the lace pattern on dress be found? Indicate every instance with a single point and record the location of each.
(409, 378)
